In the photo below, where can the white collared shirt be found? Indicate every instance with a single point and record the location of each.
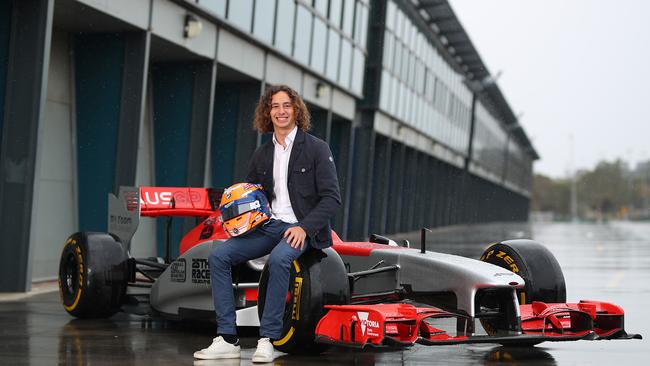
(281, 205)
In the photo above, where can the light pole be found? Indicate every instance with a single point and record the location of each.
(574, 185)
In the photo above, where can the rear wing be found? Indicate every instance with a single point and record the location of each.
(125, 210)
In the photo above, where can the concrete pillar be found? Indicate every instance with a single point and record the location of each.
(24, 102)
(341, 140)
(381, 179)
(395, 196)
(134, 86)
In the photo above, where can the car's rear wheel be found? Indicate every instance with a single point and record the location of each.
(316, 278)
(92, 275)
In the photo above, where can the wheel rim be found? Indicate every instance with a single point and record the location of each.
(70, 275)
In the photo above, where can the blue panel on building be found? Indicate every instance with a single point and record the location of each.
(173, 86)
(224, 136)
(99, 63)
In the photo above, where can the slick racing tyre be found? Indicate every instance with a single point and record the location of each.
(316, 278)
(92, 275)
(538, 267)
(535, 264)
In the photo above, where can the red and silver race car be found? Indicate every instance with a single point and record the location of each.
(354, 294)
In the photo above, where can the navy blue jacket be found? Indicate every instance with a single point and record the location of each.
(312, 183)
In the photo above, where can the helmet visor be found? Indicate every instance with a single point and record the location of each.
(236, 209)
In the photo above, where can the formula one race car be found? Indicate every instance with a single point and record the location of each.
(353, 294)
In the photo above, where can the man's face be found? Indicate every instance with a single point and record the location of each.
(282, 112)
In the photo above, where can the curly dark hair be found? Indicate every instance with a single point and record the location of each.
(262, 118)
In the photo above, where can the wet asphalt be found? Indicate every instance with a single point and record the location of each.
(607, 261)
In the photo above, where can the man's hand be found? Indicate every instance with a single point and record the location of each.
(296, 237)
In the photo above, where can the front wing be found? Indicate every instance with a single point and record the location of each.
(404, 325)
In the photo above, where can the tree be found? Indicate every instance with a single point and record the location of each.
(606, 189)
(550, 195)
(611, 189)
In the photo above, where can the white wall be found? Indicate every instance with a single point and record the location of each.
(54, 199)
(143, 243)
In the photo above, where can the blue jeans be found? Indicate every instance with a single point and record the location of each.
(264, 240)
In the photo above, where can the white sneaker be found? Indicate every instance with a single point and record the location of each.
(264, 351)
(219, 349)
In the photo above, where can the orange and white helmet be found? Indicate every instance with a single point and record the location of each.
(243, 207)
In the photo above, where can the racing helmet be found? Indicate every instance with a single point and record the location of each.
(243, 208)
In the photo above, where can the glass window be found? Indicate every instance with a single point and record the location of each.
(346, 63)
(303, 34)
(217, 6)
(318, 51)
(385, 90)
(399, 99)
(335, 12)
(364, 27)
(284, 25)
(390, 16)
(388, 50)
(399, 24)
(421, 80)
(405, 63)
(358, 71)
(321, 7)
(361, 25)
(423, 110)
(414, 109)
(413, 36)
(263, 26)
(407, 33)
(412, 70)
(402, 101)
(418, 77)
(420, 113)
(348, 17)
(408, 111)
(394, 96)
(430, 85)
(333, 47)
(241, 13)
(397, 61)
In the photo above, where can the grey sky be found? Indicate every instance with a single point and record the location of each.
(572, 67)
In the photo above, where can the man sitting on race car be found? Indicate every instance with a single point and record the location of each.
(298, 176)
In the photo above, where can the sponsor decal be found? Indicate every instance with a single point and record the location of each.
(504, 257)
(120, 220)
(132, 200)
(156, 198)
(295, 308)
(367, 325)
(200, 270)
(165, 198)
(178, 270)
(77, 252)
(186, 197)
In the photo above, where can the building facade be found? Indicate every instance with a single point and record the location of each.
(97, 94)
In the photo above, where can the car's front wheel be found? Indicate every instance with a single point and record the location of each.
(542, 274)
(317, 278)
